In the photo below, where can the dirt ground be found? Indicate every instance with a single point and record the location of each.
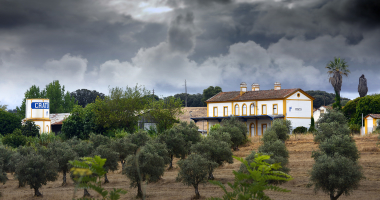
(300, 163)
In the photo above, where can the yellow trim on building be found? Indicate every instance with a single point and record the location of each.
(276, 109)
(312, 113)
(38, 119)
(208, 128)
(225, 111)
(262, 109)
(365, 126)
(207, 110)
(242, 110)
(256, 133)
(299, 99)
(236, 110)
(284, 108)
(37, 99)
(215, 114)
(250, 129)
(250, 109)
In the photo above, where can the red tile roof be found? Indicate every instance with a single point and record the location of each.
(376, 116)
(252, 95)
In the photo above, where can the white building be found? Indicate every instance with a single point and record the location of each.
(38, 110)
(258, 108)
(318, 113)
(370, 123)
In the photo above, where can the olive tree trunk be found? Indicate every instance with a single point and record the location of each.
(64, 178)
(106, 178)
(37, 193)
(197, 195)
(86, 193)
(171, 162)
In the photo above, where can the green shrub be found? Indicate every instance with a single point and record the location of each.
(8, 122)
(253, 184)
(236, 129)
(15, 139)
(300, 130)
(30, 129)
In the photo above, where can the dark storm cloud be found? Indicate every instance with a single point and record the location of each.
(52, 28)
(181, 33)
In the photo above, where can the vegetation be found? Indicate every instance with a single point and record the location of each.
(3, 107)
(175, 144)
(80, 123)
(323, 98)
(165, 113)
(148, 165)
(214, 150)
(300, 130)
(85, 96)
(336, 170)
(35, 171)
(210, 92)
(15, 139)
(252, 185)
(30, 129)
(193, 100)
(9, 122)
(60, 102)
(194, 170)
(337, 68)
(88, 174)
(236, 129)
(124, 147)
(275, 146)
(111, 157)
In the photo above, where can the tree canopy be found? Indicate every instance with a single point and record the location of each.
(8, 122)
(85, 96)
(209, 92)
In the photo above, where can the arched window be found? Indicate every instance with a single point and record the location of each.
(236, 109)
(252, 130)
(47, 129)
(40, 128)
(244, 111)
(252, 109)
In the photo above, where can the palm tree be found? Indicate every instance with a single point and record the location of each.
(362, 87)
(337, 67)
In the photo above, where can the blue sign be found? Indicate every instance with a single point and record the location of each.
(40, 105)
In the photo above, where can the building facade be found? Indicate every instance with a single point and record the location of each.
(38, 110)
(258, 108)
(370, 123)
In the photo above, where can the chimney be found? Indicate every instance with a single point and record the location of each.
(255, 87)
(277, 86)
(243, 88)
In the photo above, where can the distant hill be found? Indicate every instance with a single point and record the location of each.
(324, 98)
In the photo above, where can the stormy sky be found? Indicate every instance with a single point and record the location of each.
(97, 44)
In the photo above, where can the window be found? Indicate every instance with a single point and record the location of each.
(264, 109)
(263, 128)
(275, 110)
(244, 109)
(236, 109)
(225, 110)
(47, 129)
(215, 111)
(252, 109)
(298, 94)
(252, 129)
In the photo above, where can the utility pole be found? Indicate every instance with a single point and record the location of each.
(185, 94)
(152, 98)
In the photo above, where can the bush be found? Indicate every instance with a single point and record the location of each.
(30, 129)
(111, 157)
(236, 129)
(147, 165)
(282, 128)
(98, 140)
(8, 122)
(139, 139)
(193, 171)
(124, 147)
(214, 150)
(253, 184)
(15, 139)
(175, 144)
(300, 130)
(35, 170)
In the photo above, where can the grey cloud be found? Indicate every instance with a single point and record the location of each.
(181, 33)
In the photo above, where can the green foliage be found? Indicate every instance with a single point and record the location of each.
(30, 129)
(165, 113)
(111, 156)
(85, 96)
(98, 140)
(214, 150)
(282, 128)
(120, 133)
(80, 123)
(336, 170)
(175, 144)
(189, 132)
(349, 109)
(337, 104)
(148, 165)
(88, 174)
(35, 171)
(215, 127)
(366, 105)
(300, 130)
(121, 109)
(209, 92)
(250, 158)
(124, 147)
(323, 98)
(5, 163)
(81, 147)
(61, 152)
(3, 107)
(312, 125)
(194, 170)
(59, 101)
(193, 100)
(15, 139)
(336, 175)
(8, 122)
(236, 129)
(252, 185)
(139, 139)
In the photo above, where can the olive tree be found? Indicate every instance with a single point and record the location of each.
(139, 139)
(148, 165)
(124, 147)
(62, 152)
(175, 144)
(104, 151)
(214, 150)
(189, 132)
(194, 170)
(35, 170)
(98, 140)
(336, 170)
(236, 129)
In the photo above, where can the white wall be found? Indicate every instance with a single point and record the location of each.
(269, 104)
(369, 124)
(295, 96)
(295, 108)
(300, 122)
